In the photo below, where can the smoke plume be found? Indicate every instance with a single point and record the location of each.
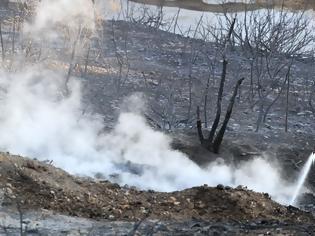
(49, 14)
(37, 121)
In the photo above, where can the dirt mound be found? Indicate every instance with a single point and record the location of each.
(37, 185)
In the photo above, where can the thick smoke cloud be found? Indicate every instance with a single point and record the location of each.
(38, 121)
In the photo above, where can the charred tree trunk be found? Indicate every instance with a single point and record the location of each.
(199, 127)
(218, 140)
(219, 102)
(287, 100)
(67, 90)
(2, 43)
(214, 146)
(206, 102)
(222, 82)
(208, 143)
(13, 36)
(312, 92)
(71, 63)
(87, 60)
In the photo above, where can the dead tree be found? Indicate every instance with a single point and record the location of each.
(122, 59)
(219, 137)
(81, 38)
(287, 99)
(271, 40)
(192, 60)
(2, 43)
(213, 143)
(87, 60)
(71, 66)
(281, 89)
(214, 140)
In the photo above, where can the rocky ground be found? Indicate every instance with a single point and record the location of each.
(157, 64)
(34, 193)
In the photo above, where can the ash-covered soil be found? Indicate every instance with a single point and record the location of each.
(29, 186)
(157, 64)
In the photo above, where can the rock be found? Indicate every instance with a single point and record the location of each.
(266, 195)
(111, 217)
(32, 226)
(241, 187)
(220, 187)
(9, 191)
(143, 210)
(125, 207)
(196, 225)
(172, 199)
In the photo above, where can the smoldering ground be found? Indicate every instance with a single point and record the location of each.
(37, 120)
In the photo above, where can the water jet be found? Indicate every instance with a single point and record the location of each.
(303, 175)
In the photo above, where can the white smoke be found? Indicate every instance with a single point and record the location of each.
(36, 120)
(49, 14)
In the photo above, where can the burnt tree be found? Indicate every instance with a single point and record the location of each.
(214, 140)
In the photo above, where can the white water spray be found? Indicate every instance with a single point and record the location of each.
(304, 173)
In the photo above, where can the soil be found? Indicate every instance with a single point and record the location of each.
(34, 185)
(38, 185)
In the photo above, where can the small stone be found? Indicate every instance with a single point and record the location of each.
(228, 188)
(278, 230)
(9, 191)
(172, 199)
(266, 195)
(241, 187)
(126, 206)
(220, 187)
(143, 210)
(263, 222)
